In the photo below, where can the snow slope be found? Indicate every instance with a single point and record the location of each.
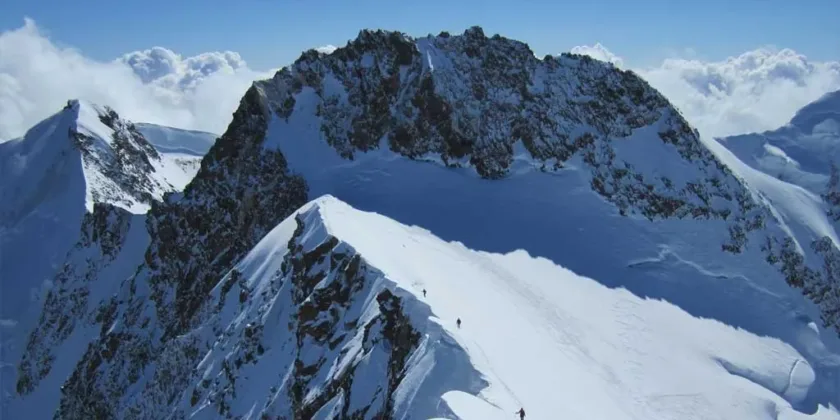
(802, 151)
(534, 335)
(51, 181)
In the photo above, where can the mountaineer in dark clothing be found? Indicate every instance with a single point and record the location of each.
(424, 292)
(521, 413)
(458, 322)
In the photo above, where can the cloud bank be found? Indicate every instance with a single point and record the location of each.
(168, 69)
(598, 52)
(157, 85)
(326, 49)
(756, 91)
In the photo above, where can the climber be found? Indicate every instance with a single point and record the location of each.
(458, 322)
(521, 413)
(424, 292)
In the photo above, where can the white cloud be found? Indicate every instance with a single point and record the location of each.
(756, 91)
(326, 49)
(598, 52)
(158, 86)
(165, 67)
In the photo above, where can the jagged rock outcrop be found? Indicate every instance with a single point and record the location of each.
(331, 331)
(126, 162)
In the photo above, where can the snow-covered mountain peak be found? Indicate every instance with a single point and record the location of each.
(339, 313)
(121, 166)
(99, 152)
(465, 100)
(74, 188)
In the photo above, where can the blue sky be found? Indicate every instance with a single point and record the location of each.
(271, 33)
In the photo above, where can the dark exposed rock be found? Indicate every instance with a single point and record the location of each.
(320, 317)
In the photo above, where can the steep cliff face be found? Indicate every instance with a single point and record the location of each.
(567, 157)
(103, 235)
(58, 172)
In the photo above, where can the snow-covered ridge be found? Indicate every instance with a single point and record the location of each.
(322, 319)
(121, 166)
(566, 349)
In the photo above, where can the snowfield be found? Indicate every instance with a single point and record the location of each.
(534, 335)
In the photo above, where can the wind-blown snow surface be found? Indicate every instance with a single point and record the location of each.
(50, 180)
(534, 335)
(802, 151)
